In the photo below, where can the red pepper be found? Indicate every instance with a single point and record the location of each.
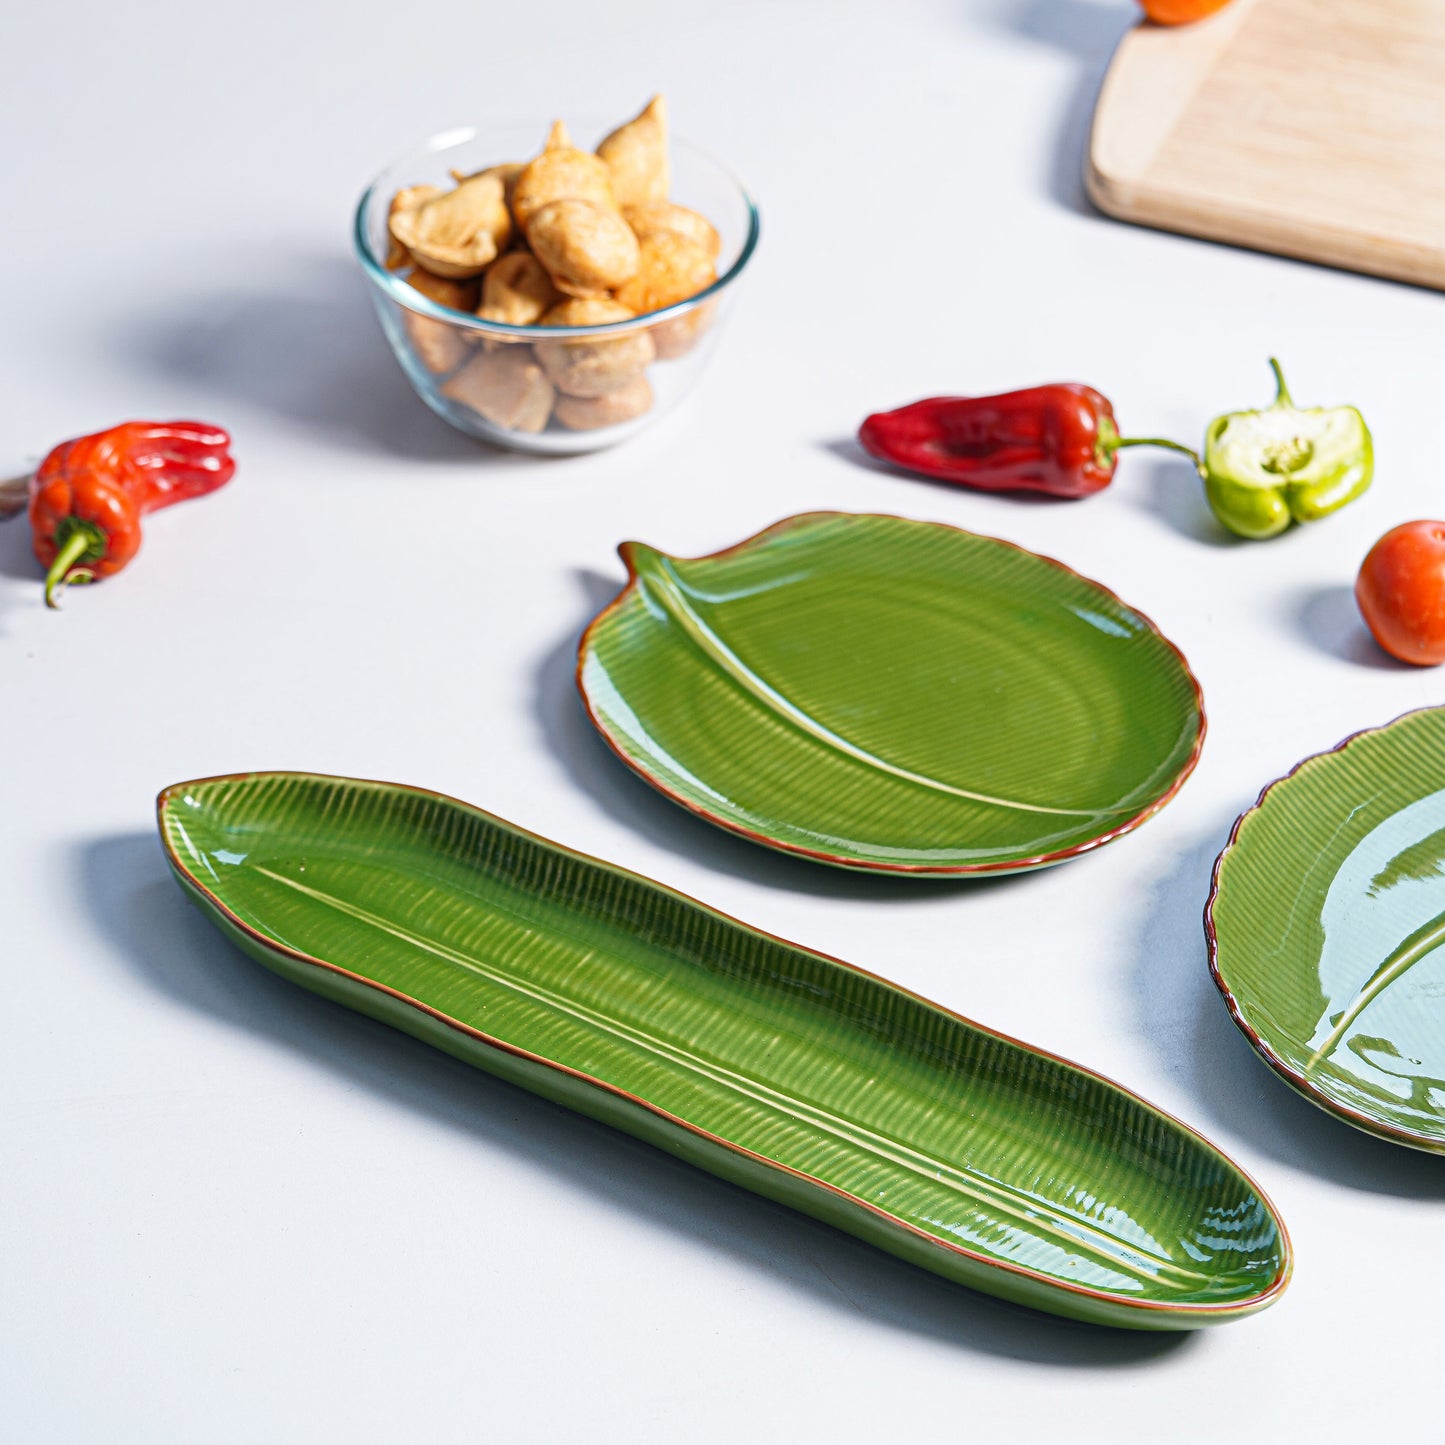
(1058, 439)
(87, 498)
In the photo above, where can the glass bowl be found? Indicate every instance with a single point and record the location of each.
(450, 357)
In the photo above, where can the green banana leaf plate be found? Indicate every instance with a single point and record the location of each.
(787, 1072)
(883, 694)
(1326, 929)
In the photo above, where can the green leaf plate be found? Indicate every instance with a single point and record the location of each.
(1326, 922)
(790, 1073)
(878, 693)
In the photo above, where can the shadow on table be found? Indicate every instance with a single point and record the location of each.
(593, 768)
(1169, 487)
(17, 559)
(1328, 618)
(309, 353)
(1182, 1013)
(172, 950)
(1088, 31)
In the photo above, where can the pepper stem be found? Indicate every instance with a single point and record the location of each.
(1282, 398)
(1155, 442)
(1110, 442)
(75, 547)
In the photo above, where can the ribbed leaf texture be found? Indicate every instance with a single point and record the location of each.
(784, 1070)
(1326, 924)
(880, 693)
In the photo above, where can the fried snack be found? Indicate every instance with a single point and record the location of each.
(586, 249)
(670, 269)
(454, 235)
(507, 173)
(586, 413)
(506, 387)
(567, 239)
(636, 155)
(593, 368)
(678, 335)
(665, 216)
(561, 173)
(398, 258)
(517, 290)
(438, 346)
(459, 295)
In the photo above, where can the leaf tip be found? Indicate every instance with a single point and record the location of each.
(636, 555)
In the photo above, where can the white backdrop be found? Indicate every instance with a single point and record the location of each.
(232, 1212)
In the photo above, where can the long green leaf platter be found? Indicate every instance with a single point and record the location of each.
(1326, 929)
(878, 693)
(794, 1075)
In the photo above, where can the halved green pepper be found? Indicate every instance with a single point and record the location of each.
(1263, 470)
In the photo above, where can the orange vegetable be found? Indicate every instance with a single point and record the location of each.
(88, 495)
(1401, 592)
(1180, 12)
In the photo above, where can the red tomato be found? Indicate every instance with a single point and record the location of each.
(1401, 592)
(1180, 12)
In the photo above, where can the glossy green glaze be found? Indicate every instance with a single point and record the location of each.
(1326, 924)
(787, 1072)
(885, 694)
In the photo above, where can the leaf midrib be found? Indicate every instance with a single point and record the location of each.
(1030, 1214)
(1419, 944)
(656, 571)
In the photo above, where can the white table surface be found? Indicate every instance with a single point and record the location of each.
(230, 1211)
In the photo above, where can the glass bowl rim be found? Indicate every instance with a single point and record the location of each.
(413, 300)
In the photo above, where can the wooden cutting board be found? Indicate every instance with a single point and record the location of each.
(1314, 128)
